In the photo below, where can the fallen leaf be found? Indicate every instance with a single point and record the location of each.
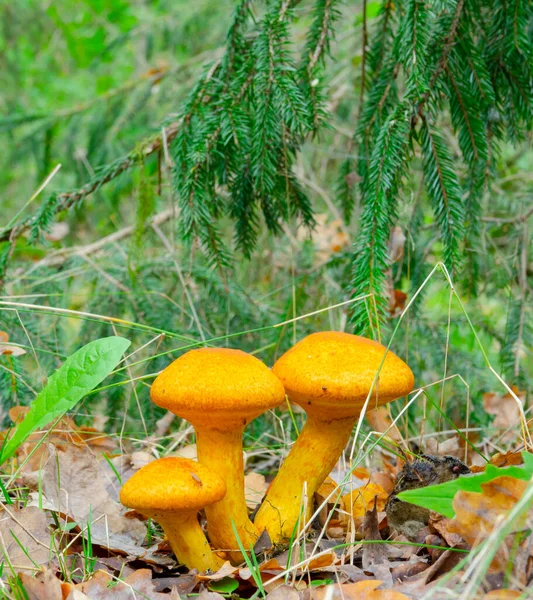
(207, 595)
(24, 537)
(226, 570)
(379, 419)
(506, 459)
(284, 592)
(187, 452)
(361, 590)
(505, 409)
(255, 487)
(449, 447)
(328, 496)
(502, 595)
(139, 585)
(361, 500)
(478, 513)
(373, 554)
(43, 586)
(72, 483)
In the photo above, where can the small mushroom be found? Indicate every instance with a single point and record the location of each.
(330, 375)
(220, 390)
(171, 491)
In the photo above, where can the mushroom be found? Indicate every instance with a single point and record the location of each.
(330, 375)
(171, 491)
(220, 390)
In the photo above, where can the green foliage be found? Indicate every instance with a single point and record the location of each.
(455, 57)
(440, 497)
(78, 375)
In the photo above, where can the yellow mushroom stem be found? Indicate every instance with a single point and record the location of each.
(310, 460)
(187, 540)
(221, 451)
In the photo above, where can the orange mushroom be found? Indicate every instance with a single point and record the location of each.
(171, 491)
(220, 391)
(330, 375)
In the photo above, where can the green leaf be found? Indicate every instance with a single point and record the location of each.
(79, 374)
(226, 585)
(439, 498)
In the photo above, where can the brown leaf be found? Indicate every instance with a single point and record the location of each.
(43, 586)
(207, 595)
(380, 421)
(73, 484)
(284, 592)
(373, 554)
(255, 488)
(478, 513)
(507, 459)
(502, 595)
(361, 500)
(506, 410)
(361, 590)
(24, 534)
(137, 586)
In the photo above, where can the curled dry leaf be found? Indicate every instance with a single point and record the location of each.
(24, 537)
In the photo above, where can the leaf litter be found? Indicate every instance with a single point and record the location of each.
(72, 485)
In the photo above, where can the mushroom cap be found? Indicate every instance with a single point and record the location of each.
(217, 387)
(172, 484)
(330, 374)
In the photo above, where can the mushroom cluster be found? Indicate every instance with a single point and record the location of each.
(331, 375)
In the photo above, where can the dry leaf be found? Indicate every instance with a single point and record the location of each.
(137, 586)
(476, 514)
(187, 452)
(284, 592)
(361, 590)
(23, 534)
(373, 554)
(506, 410)
(207, 595)
(502, 595)
(74, 484)
(507, 459)
(380, 421)
(360, 500)
(44, 586)
(450, 446)
(226, 570)
(255, 488)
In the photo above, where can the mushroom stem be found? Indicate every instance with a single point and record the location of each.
(221, 451)
(187, 540)
(310, 460)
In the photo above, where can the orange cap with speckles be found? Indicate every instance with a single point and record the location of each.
(215, 386)
(332, 372)
(172, 484)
